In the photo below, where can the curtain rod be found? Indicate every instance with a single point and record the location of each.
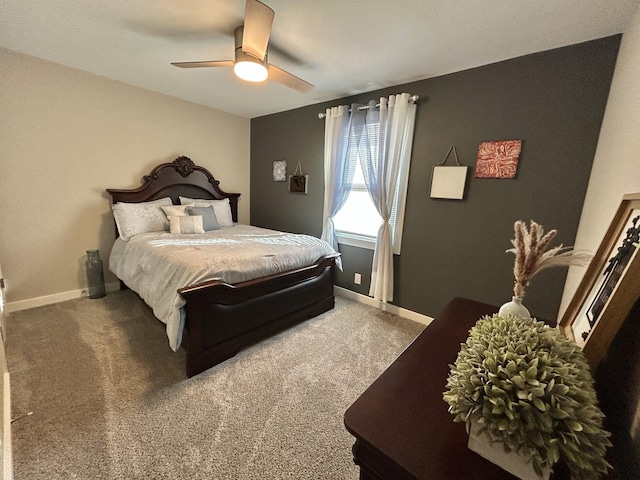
(366, 107)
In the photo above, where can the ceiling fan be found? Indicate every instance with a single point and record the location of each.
(251, 53)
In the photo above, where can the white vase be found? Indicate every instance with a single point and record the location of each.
(513, 462)
(515, 308)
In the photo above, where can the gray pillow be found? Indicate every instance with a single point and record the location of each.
(209, 220)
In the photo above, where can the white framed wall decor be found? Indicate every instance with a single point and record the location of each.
(448, 181)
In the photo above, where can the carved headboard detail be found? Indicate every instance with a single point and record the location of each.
(182, 177)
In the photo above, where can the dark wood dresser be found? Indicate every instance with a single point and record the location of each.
(401, 424)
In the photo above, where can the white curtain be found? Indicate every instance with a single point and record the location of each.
(338, 168)
(386, 173)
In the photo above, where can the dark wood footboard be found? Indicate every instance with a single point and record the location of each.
(222, 318)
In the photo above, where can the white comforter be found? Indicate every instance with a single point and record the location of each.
(156, 265)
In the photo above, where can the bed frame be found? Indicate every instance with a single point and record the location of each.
(223, 318)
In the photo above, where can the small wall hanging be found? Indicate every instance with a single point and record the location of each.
(448, 181)
(498, 159)
(279, 170)
(298, 181)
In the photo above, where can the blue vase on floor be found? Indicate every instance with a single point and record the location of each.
(95, 274)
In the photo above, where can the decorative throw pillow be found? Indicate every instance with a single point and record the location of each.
(209, 220)
(186, 224)
(222, 208)
(176, 210)
(143, 217)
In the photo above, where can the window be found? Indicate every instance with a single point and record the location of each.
(347, 209)
(358, 221)
(359, 215)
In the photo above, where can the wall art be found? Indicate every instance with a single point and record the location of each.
(298, 182)
(279, 170)
(498, 159)
(609, 287)
(448, 181)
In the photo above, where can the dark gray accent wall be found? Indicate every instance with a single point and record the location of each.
(553, 101)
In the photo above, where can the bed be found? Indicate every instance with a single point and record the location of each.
(219, 318)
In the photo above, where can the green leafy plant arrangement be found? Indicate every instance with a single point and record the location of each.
(531, 389)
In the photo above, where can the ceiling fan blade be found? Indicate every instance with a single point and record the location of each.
(216, 63)
(258, 19)
(287, 79)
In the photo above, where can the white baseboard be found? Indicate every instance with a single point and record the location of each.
(54, 298)
(386, 307)
(112, 287)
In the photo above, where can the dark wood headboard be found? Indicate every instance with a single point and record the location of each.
(181, 177)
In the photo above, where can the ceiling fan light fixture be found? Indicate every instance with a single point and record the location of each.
(251, 51)
(250, 70)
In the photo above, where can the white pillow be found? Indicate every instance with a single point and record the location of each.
(143, 217)
(221, 208)
(185, 224)
(176, 210)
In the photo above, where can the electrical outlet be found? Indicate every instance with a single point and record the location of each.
(357, 279)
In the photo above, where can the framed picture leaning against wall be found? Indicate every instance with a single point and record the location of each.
(610, 286)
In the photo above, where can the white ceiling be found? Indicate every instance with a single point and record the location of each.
(343, 47)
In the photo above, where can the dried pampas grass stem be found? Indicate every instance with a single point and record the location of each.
(531, 248)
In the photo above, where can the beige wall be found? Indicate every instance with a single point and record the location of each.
(616, 164)
(65, 136)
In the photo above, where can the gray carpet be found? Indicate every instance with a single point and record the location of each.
(110, 400)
